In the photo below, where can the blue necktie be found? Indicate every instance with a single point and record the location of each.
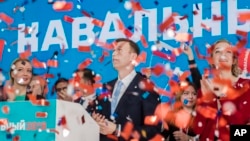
(115, 96)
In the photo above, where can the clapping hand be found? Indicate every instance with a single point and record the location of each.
(106, 126)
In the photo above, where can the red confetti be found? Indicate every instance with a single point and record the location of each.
(37, 64)
(52, 63)
(16, 138)
(42, 102)
(205, 27)
(244, 16)
(63, 6)
(68, 19)
(105, 45)
(124, 30)
(7, 19)
(177, 51)
(3, 121)
(141, 58)
(218, 18)
(54, 131)
(207, 72)
(85, 63)
(5, 109)
(183, 17)
(85, 13)
(151, 120)
(167, 23)
(200, 56)
(174, 86)
(158, 69)
(41, 114)
(162, 110)
(182, 119)
(207, 112)
(144, 41)
(184, 75)
(1, 48)
(26, 54)
(169, 57)
(136, 6)
(48, 75)
(98, 85)
(195, 12)
(63, 121)
(97, 78)
(241, 33)
(98, 22)
(242, 43)
(32, 98)
(183, 37)
(101, 59)
(83, 119)
(84, 48)
(127, 33)
(127, 130)
(147, 85)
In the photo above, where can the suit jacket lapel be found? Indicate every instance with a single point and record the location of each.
(131, 88)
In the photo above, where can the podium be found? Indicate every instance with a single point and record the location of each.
(52, 120)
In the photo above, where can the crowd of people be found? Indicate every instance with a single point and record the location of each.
(202, 107)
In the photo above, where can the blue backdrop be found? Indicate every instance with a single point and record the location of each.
(48, 32)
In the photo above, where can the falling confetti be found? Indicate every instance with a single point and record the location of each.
(7, 19)
(62, 6)
(68, 19)
(41, 114)
(2, 42)
(5, 109)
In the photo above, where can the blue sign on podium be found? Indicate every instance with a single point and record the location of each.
(52, 120)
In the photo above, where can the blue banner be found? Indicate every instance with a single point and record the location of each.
(77, 30)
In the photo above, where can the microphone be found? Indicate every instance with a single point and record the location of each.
(52, 57)
(54, 54)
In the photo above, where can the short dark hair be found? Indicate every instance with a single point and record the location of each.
(88, 74)
(132, 44)
(61, 80)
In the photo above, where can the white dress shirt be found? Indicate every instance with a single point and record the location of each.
(126, 81)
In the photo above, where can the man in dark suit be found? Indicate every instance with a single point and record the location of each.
(127, 104)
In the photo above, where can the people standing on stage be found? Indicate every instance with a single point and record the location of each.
(224, 95)
(38, 87)
(60, 87)
(186, 98)
(20, 77)
(127, 102)
(87, 79)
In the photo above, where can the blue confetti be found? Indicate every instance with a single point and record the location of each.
(8, 136)
(185, 101)
(166, 51)
(145, 95)
(99, 107)
(115, 115)
(185, 6)
(164, 99)
(175, 78)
